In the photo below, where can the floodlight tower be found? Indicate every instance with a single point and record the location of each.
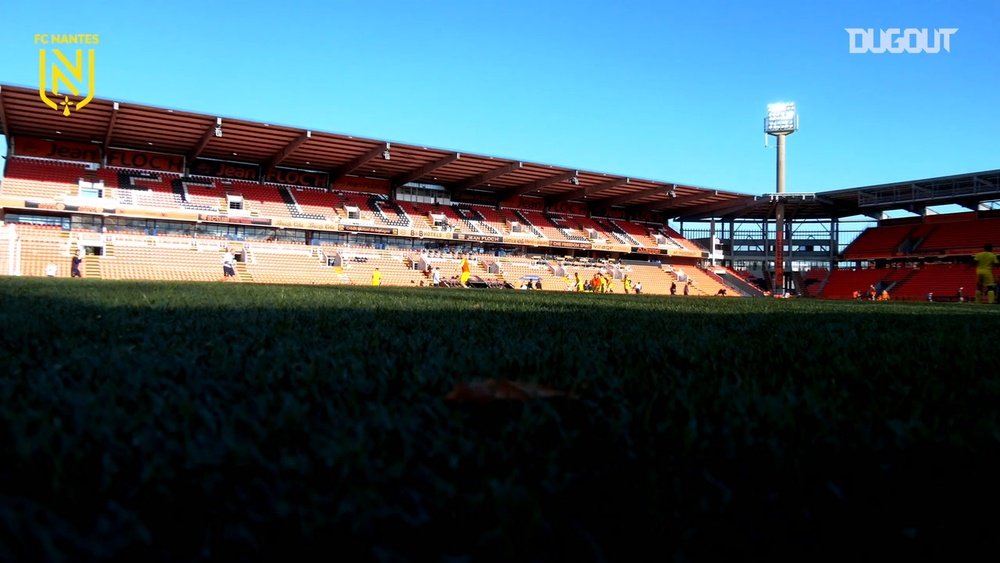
(781, 121)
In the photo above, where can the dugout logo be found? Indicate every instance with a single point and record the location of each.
(894, 40)
(65, 74)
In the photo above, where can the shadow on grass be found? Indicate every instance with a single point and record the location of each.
(186, 421)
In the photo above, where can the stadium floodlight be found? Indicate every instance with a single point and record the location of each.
(218, 127)
(781, 118)
(575, 181)
(386, 155)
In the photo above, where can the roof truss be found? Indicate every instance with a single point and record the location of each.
(205, 138)
(287, 150)
(486, 177)
(679, 201)
(3, 117)
(537, 184)
(425, 169)
(722, 208)
(586, 191)
(626, 198)
(111, 125)
(357, 162)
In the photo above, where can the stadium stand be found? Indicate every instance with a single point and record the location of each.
(812, 281)
(517, 270)
(944, 281)
(39, 247)
(162, 258)
(703, 282)
(418, 213)
(961, 236)
(494, 219)
(639, 232)
(30, 177)
(127, 253)
(878, 242)
(542, 225)
(842, 283)
(267, 262)
(618, 232)
(474, 219)
(958, 234)
(593, 230)
(523, 220)
(314, 203)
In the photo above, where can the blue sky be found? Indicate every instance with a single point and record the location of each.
(660, 90)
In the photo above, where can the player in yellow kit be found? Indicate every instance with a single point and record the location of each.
(985, 261)
(466, 273)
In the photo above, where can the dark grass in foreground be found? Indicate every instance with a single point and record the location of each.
(177, 422)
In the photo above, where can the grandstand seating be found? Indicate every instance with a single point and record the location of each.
(361, 201)
(639, 232)
(673, 239)
(7, 254)
(315, 203)
(473, 217)
(288, 196)
(204, 196)
(180, 258)
(566, 229)
(43, 245)
(497, 220)
(655, 280)
(388, 212)
(621, 235)
(586, 223)
(452, 217)
(519, 216)
(285, 263)
(516, 268)
(813, 280)
(961, 237)
(878, 242)
(162, 258)
(27, 177)
(703, 283)
(842, 283)
(955, 234)
(943, 280)
(146, 189)
(358, 263)
(418, 213)
(542, 225)
(264, 200)
(141, 257)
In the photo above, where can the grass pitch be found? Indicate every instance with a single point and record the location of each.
(177, 422)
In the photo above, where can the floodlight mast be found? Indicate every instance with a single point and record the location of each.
(781, 121)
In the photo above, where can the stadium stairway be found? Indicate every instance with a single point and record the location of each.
(242, 274)
(91, 267)
(734, 281)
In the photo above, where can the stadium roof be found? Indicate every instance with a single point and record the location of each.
(967, 190)
(126, 125)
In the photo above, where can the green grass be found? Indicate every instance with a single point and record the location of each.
(175, 422)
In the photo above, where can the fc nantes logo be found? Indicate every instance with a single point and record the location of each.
(65, 79)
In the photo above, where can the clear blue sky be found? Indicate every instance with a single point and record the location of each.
(659, 90)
